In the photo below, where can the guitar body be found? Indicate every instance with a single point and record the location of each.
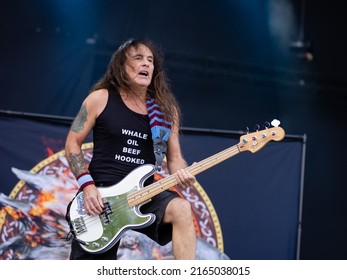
(99, 233)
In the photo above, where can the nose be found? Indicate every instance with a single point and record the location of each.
(145, 62)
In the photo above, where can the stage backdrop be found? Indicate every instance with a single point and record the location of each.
(247, 207)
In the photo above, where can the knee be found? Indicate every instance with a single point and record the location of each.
(181, 209)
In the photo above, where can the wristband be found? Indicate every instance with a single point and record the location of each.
(85, 180)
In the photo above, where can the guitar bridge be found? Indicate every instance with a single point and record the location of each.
(107, 211)
(79, 225)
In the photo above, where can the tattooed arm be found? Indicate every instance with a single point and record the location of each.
(80, 129)
(77, 134)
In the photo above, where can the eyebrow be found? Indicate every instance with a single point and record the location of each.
(150, 57)
(140, 54)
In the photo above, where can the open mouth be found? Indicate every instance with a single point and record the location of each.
(144, 73)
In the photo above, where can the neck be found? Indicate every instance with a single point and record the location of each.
(139, 94)
(136, 101)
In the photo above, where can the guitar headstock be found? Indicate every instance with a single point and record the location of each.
(253, 142)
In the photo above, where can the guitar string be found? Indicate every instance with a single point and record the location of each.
(125, 203)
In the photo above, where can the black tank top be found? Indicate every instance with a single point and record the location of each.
(122, 141)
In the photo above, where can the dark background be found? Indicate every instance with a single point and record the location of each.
(232, 65)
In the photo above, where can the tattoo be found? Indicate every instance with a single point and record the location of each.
(77, 163)
(81, 118)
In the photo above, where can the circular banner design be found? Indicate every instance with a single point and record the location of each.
(33, 225)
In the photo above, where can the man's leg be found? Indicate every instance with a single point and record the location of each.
(179, 214)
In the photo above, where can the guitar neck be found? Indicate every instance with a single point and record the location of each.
(211, 161)
(152, 190)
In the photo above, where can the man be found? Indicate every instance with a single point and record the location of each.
(128, 132)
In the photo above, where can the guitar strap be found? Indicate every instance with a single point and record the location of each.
(160, 131)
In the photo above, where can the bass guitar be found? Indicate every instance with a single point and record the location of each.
(96, 234)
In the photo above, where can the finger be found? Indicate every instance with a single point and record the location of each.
(99, 204)
(180, 177)
(185, 178)
(92, 206)
(191, 180)
(188, 177)
(91, 209)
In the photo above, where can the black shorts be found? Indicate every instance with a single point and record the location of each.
(157, 231)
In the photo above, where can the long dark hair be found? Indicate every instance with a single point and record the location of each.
(159, 89)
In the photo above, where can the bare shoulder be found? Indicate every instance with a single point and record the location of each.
(99, 95)
(96, 101)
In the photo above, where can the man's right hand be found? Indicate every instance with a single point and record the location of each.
(93, 203)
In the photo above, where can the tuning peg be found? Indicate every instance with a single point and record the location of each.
(267, 125)
(256, 128)
(247, 130)
(275, 123)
